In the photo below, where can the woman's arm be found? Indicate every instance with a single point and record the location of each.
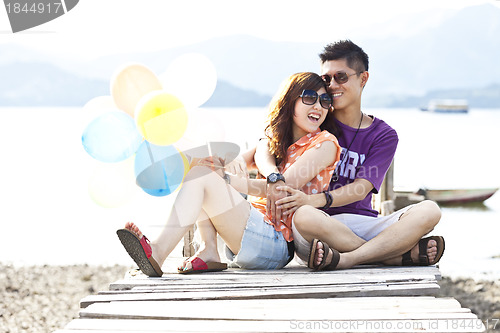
(310, 164)
(264, 160)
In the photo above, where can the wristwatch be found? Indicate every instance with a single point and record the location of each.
(275, 177)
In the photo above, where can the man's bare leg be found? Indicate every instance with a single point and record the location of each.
(412, 226)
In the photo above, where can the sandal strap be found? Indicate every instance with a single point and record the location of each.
(145, 246)
(407, 259)
(423, 259)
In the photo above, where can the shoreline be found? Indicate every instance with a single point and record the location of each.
(46, 298)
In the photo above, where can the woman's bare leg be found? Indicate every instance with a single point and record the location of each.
(202, 189)
(207, 250)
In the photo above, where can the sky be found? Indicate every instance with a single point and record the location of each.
(102, 27)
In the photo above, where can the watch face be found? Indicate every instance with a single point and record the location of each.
(274, 177)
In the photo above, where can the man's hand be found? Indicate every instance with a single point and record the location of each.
(272, 196)
(291, 200)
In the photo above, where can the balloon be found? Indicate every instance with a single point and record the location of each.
(161, 118)
(192, 77)
(159, 170)
(99, 103)
(111, 137)
(130, 83)
(112, 185)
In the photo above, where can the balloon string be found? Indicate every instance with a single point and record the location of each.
(151, 158)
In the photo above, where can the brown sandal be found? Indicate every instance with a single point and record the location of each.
(423, 259)
(323, 266)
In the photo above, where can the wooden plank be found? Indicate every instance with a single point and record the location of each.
(316, 309)
(117, 325)
(236, 276)
(370, 290)
(299, 269)
(283, 282)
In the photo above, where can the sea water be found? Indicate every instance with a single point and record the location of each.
(48, 217)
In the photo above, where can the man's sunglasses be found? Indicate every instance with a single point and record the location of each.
(339, 77)
(309, 97)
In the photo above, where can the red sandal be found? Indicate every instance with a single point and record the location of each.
(140, 251)
(199, 266)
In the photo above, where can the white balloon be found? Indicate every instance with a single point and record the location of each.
(192, 78)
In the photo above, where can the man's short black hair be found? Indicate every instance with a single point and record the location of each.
(355, 57)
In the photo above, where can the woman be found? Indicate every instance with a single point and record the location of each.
(299, 131)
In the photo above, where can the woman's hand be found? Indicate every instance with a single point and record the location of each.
(215, 163)
(273, 195)
(290, 203)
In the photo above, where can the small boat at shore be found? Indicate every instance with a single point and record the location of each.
(457, 196)
(447, 106)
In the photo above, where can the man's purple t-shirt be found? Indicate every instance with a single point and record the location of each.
(369, 157)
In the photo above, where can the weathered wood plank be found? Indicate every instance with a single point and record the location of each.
(271, 309)
(292, 277)
(117, 325)
(361, 290)
(277, 283)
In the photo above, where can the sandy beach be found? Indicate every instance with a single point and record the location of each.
(46, 298)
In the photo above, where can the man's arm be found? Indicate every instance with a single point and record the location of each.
(341, 196)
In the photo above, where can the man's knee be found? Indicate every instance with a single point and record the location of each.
(303, 218)
(429, 211)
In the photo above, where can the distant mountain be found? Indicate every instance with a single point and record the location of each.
(447, 51)
(42, 84)
(461, 52)
(488, 97)
(226, 94)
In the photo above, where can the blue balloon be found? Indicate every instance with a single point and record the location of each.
(111, 137)
(159, 170)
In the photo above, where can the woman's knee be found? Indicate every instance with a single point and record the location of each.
(198, 173)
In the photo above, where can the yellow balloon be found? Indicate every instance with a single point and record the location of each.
(161, 118)
(130, 83)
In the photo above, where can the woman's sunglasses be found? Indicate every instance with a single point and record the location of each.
(339, 77)
(309, 97)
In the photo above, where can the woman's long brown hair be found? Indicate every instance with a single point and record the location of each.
(279, 129)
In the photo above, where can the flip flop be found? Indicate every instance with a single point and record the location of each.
(140, 251)
(199, 266)
(323, 266)
(423, 259)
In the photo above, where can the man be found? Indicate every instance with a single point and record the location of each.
(354, 233)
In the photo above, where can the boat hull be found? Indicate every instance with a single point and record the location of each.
(458, 196)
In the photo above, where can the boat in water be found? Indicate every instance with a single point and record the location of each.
(447, 106)
(457, 196)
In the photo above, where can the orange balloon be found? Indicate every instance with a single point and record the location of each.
(130, 83)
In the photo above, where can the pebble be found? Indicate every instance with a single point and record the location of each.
(47, 298)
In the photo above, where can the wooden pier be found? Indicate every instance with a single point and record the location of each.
(294, 299)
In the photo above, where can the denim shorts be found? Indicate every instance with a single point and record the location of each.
(262, 247)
